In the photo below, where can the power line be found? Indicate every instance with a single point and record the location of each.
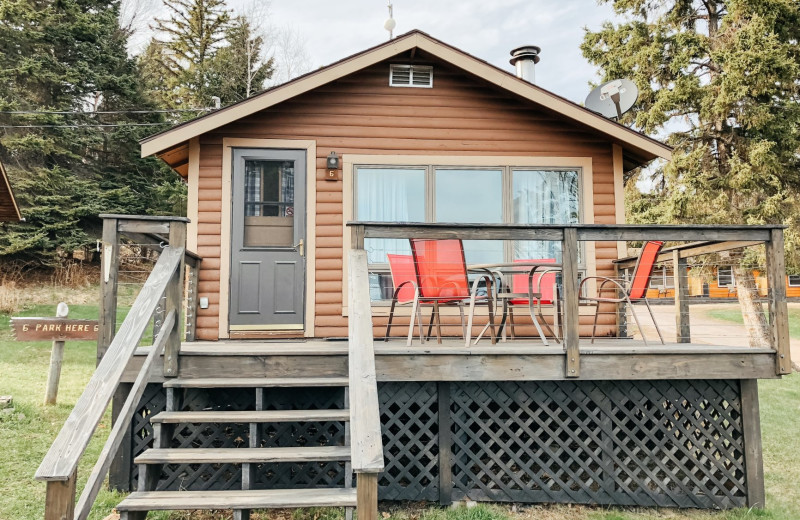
(73, 112)
(87, 125)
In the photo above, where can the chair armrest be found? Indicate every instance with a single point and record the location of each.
(606, 280)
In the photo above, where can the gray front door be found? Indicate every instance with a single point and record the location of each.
(267, 250)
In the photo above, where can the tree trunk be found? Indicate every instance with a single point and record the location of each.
(755, 322)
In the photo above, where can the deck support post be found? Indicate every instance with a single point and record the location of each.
(751, 432)
(445, 445)
(680, 279)
(367, 496)
(119, 475)
(778, 310)
(569, 280)
(60, 499)
(174, 297)
(109, 276)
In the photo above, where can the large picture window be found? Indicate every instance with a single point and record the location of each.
(463, 194)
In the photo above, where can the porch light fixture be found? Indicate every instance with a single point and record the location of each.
(333, 161)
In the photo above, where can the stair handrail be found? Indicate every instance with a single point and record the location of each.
(123, 422)
(59, 466)
(366, 442)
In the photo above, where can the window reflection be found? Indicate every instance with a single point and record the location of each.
(468, 196)
(543, 197)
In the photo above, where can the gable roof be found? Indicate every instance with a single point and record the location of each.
(9, 212)
(173, 140)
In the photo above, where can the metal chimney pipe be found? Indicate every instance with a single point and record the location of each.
(524, 59)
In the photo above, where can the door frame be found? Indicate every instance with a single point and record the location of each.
(310, 147)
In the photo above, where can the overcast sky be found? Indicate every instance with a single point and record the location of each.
(486, 29)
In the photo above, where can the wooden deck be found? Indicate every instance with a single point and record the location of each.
(520, 360)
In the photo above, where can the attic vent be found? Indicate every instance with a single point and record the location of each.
(420, 76)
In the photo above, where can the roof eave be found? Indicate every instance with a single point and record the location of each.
(645, 146)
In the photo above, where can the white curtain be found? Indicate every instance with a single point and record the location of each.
(389, 195)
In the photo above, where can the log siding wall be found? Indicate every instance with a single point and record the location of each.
(361, 114)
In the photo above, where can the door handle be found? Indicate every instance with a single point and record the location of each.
(300, 247)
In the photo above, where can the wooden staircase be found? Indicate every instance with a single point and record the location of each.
(242, 501)
(361, 454)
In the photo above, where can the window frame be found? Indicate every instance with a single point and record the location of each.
(733, 278)
(584, 164)
(789, 280)
(507, 180)
(664, 278)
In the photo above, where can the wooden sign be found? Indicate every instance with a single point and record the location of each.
(54, 329)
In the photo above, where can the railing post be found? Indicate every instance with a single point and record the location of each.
(174, 297)
(778, 310)
(680, 276)
(621, 315)
(60, 499)
(367, 496)
(569, 280)
(109, 275)
(357, 236)
(191, 298)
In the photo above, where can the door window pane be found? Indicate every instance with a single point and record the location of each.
(543, 197)
(472, 196)
(389, 195)
(268, 203)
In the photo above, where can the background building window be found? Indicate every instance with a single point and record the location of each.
(725, 277)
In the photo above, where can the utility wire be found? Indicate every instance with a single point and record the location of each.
(73, 112)
(87, 125)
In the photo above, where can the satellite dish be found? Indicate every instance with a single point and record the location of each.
(613, 98)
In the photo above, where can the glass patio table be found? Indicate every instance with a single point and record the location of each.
(504, 291)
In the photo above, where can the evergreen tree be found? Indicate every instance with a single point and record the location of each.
(722, 77)
(239, 69)
(70, 56)
(189, 38)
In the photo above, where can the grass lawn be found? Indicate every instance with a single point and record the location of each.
(26, 434)
(734, 315)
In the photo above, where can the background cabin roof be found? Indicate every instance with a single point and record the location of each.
(9, 211)
(172, 145)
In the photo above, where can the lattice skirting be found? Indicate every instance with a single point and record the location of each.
(644, 443)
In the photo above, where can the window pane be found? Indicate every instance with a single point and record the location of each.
(725, 277)
(543, 197)
(268, 203)
(389, 195)
(472, 196)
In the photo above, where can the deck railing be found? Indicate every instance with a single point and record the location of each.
(115, 349)
(714, 239)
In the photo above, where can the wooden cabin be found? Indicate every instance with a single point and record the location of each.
(719, 284)
(295, 197)
(462, 139)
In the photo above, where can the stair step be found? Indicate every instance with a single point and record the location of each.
(255, 382)
(250, 499)
(243, 455)
(267, 416)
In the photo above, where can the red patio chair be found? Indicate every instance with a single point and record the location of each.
(540, 288)
(404, 280)
(635, 291)
(442, 280)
